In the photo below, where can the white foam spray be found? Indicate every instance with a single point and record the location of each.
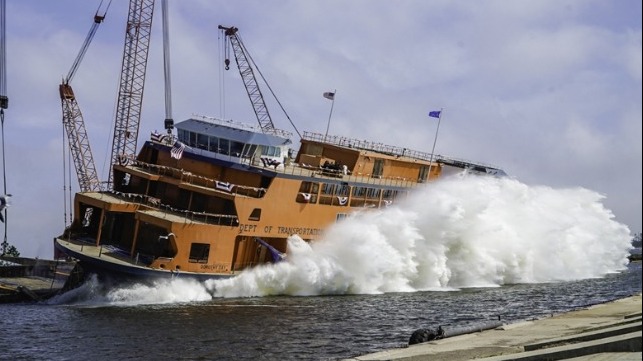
(466, 231)
(94, 293)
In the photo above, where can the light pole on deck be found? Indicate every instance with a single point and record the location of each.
(331, 96)
(434, 114)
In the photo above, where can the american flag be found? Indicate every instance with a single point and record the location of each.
(177, 150)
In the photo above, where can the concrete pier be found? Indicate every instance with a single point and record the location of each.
(610, 331)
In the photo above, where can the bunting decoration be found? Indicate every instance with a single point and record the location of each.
(225, 186)
(159, 138)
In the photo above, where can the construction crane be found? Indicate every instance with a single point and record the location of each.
(130, 94)
(73, 119)
(249, 79)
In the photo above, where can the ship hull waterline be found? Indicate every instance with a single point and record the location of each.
(113, 270)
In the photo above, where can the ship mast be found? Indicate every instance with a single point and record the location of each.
(4, 104)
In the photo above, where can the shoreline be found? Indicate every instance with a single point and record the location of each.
(612, 328)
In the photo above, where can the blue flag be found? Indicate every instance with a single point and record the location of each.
(435, 113)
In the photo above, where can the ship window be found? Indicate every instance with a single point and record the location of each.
(224, 146)
(359, 191)
(192, 142)
(270, 151)
(341, 216)
(389, 194)
(378, 168)
(236, 148)
(202, 141)
(255, 215)
(249, 150)
(343, 190)
(183, 135)
(357, 200)
(373, 193)
(328, 189)
(308, 192)
(214, 144)
(199, 252)
(424, 172)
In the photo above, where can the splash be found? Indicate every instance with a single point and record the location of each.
(94, 293)
(460, 232)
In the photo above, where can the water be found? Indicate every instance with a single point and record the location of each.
(463, 250)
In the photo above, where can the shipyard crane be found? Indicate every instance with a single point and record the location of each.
(249, 79)
(132, 81)
(246, 65)
(73, 119)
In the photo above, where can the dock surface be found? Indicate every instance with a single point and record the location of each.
(30, 279)
(609, 331)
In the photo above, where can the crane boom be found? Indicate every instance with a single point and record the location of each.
(78, 141)
(249, 80)
(75, 124)
(130, 94)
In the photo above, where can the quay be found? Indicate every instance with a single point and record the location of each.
(32, 279)
(609, 331)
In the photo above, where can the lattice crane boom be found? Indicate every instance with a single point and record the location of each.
(132, 81)
(75, 124)
(249, 80)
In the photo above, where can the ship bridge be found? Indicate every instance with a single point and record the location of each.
(233, 139)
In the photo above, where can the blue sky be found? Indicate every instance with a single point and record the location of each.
(550, 91)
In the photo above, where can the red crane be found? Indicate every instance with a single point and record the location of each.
(74, 123)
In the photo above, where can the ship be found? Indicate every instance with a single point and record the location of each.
(222, 196)
(209, 197)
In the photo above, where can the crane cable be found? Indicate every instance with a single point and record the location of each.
(252, 64)
(268, 86)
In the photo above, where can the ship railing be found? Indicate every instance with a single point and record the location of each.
(464, 163)
(198, 180)
(155, 203)
(292, 168)
(367, 145)
(388, 149)
(308, 170)
(239, 125)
